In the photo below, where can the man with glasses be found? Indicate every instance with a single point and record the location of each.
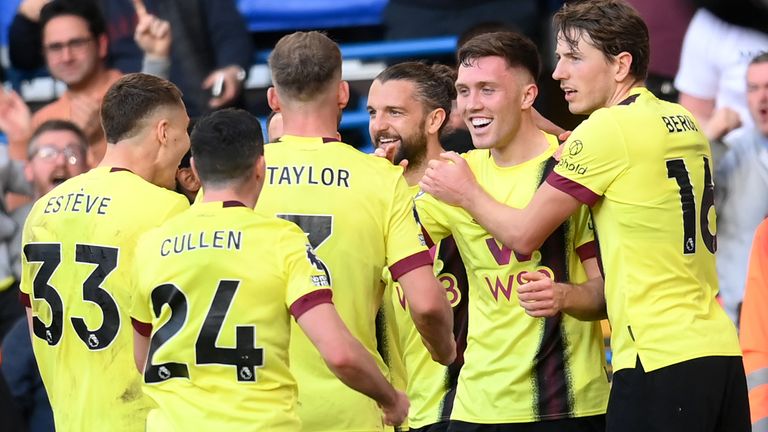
(74, 43)
(57, 152)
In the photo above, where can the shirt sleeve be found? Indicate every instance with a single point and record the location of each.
(584, 234)
(593, 157)
(754, 325)
(141, 308)
(405, 245)
(432, 217)
(308, 280)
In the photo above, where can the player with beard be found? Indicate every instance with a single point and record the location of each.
(409, 104)
(358, 214)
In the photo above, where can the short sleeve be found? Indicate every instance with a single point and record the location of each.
(405, 245)
(593, 157)
(140, 304)
(584, 234)
(432, 217)
(308, 281)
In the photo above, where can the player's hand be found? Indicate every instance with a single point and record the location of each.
(15, 117)
(449, 179)
(388, 152)
(723, 120)
(395, 414)
(152, 35)
(31, 9)
(232, 85)
(84, 112)
(541, 296)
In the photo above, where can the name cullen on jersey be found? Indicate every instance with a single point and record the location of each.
(79, 202)
(309, 175)
(219, 239)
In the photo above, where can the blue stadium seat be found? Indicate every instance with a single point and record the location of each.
(273, 15)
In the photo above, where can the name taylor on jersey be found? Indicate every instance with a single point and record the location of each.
(307, 175)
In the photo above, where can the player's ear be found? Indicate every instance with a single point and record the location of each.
(623, 65)
(530, 91)
(193, 166)
(343, 94)
(272, 99)
(161, 130)
(435, 119)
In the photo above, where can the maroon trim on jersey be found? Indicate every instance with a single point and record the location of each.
(310, 300)
(144, 329)
(587, 250)
(25, 300)
(572, 188)
(409, 263)
(118, 169)
(233, 203)
(329, 140)
(427, 238)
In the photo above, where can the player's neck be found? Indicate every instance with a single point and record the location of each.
(527, 143)
(134, 158)
(622, 91)
(310, 122)
(228, 194)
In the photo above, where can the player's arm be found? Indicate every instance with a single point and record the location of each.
(540, 296)
(523, 230)
(431, 312)
(350, 362)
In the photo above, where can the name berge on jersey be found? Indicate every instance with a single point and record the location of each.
(308, 175)
(219, 239)
(679, 123)
(78, 202)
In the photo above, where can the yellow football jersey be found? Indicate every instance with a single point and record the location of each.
(218, 284)
(646, 170)
(78, 245)
(431, 387)
(358, 214)
(517, 368)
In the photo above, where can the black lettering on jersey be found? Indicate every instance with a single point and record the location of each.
(308, 175)
(679, 123)
(219, 239)
(79, 202)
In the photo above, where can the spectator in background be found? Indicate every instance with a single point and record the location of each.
(712, 68)
(741, 176)
(57, 152)
(754, 329)
(667, 21)
(210, 36)
(75, 46)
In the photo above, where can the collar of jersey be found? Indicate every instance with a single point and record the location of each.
(306, 139)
